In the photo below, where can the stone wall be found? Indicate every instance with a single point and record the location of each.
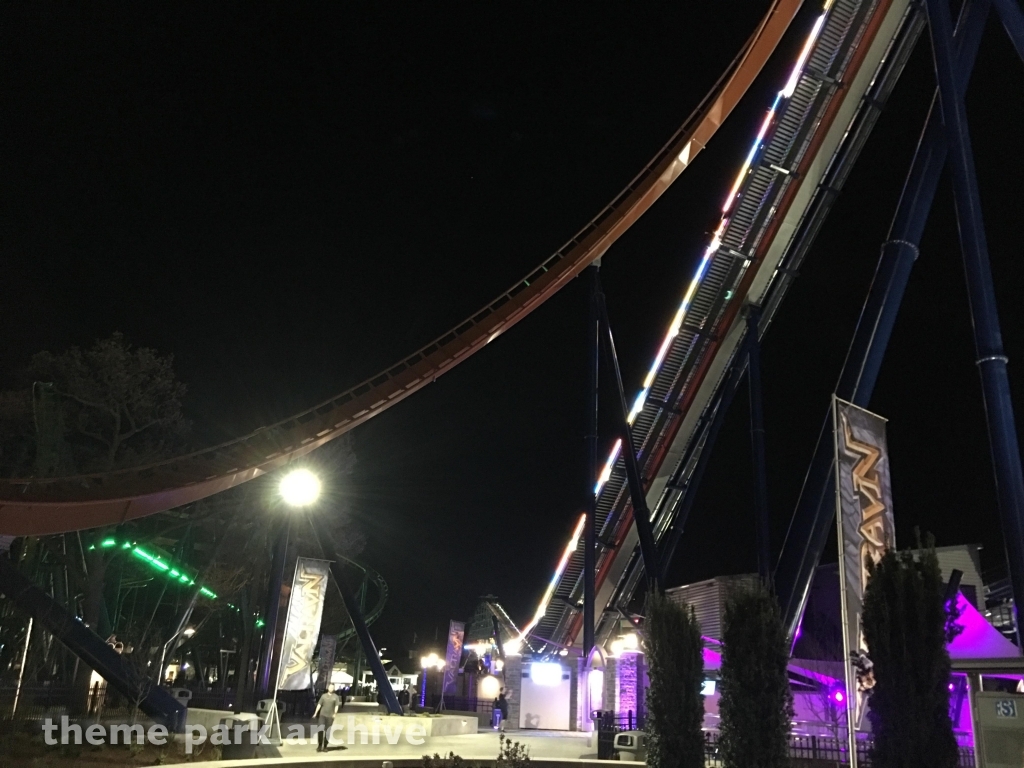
(611, 684)
(628, 683)
(513, 687)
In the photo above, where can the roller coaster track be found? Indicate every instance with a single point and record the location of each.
(36, 506)
(374, 613)
(796, 165)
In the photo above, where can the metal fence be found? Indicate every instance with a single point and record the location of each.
(37, 701)
(607, 724)
(822, 750)
(213, 699)
(483, 707)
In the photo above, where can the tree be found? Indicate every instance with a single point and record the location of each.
(756, 703)
(122, 404)
(675, 706)
(17, 434)
(905, 627)
(109, 406)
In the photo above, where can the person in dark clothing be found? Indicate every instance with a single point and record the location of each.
(403, 698)
(326, 708)
(501, 705)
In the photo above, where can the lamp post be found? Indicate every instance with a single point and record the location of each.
(427, 663)
(299, 488)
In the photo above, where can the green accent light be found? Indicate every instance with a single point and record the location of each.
(260, 623)
(155, 562)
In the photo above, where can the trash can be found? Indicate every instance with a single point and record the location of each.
(241, 741)
(630, 746)
(496, 719)
(263, 708)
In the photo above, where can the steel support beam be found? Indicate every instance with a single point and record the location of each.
(155, 701)
(812, 519)
(757, 451)
(590, 532)
(264, 687)
(1013, 21)
(330, 549)
(991, 359)
(641, 514)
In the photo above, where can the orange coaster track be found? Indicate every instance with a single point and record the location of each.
(37, 506)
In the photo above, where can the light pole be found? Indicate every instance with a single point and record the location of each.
(299, 488)
(427, 663)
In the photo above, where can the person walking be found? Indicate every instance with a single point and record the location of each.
(326, 708)
(501, 705)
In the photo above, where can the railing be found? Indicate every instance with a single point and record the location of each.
(619, 721)
(213, 699)
(607, 724)
(462, 704)
(39, 700)
(826, 750)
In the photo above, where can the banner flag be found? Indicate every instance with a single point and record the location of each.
(865, 526)
(328, 645)
(302, 626)
(456, 634)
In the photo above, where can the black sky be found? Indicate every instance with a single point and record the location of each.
(289, 197)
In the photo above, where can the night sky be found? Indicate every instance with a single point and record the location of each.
(291, 197)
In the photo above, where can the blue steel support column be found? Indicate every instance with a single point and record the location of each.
(984, 314)
(812, 519)
(156, 701)
(641, 513)
(264, 687)
(590, 536)
(761, 522)
(348, 597)
(1013, 21)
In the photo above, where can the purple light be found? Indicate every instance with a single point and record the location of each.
(951, 686)
(839, 697)
(978, 639)
(628, 684)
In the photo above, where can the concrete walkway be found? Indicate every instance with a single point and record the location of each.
(543, 745)
(478, 746)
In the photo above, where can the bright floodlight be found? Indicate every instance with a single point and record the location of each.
(300, 488)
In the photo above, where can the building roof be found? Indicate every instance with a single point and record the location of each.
(978, 639)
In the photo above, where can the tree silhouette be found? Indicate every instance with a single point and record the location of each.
(756, 703)
(121, 404)
(905, 626)
(675, 706)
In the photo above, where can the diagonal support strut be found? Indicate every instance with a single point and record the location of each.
(641, 513)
